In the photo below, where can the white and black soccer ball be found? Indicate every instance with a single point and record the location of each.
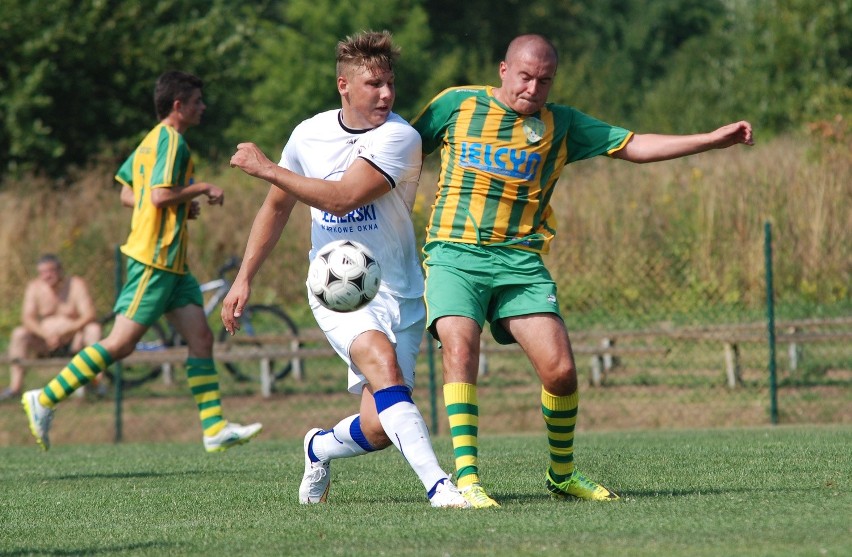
(344, 275)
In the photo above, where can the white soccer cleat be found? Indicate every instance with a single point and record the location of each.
(231, 436)
(448, 496)
(39, 417)
(316, 480)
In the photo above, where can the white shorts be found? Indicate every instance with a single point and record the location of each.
(402, 320)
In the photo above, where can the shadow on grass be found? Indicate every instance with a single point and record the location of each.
(125, 476)
(166, 548)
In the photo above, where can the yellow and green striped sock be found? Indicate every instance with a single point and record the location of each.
(204, 383)
(560, 415)
(463, 412)
(82, 369)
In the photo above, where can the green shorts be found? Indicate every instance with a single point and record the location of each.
(486, 284)
(149, 292)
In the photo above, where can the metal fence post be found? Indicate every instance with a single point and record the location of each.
(770, 324)
(119, 282)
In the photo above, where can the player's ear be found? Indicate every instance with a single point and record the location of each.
(342, 85)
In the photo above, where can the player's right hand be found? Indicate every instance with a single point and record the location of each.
(232, 308)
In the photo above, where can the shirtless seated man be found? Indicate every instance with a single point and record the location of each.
(58, 317)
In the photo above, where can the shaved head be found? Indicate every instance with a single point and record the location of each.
(526, 74)
(532, 45)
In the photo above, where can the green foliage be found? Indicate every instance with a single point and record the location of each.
(294, 66)
(76, 79)
(777, 63)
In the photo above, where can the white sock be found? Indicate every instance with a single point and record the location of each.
(342, 441)
(406, 428)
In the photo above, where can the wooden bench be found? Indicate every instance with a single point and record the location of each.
(601, 358)
(222, 352)
(793, 333)
(602, 347)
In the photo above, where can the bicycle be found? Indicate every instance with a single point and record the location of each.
(257, 321)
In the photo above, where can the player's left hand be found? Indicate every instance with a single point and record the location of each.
(732, 134)
(194, 209)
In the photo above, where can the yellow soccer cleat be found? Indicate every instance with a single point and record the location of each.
(38, 416)
(478, 499)
(579, 487)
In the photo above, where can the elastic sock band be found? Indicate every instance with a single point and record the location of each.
(390, 396)
(358, 435)
(311, 455)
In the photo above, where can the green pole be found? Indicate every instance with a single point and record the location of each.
(770, 324)
(433, 400)
(119, 281)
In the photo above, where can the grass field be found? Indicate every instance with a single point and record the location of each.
(761, 492)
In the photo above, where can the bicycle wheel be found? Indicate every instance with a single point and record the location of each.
(259, 325)
(133, 375)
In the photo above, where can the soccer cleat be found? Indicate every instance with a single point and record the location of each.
(578, 486)
(39, 417)
(316, 479)
(448, 496)
(478, 499)
(231, 436)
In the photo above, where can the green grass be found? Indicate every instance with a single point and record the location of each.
(767, 491)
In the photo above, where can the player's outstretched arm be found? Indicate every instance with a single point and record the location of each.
(359, 185)
(648, 147)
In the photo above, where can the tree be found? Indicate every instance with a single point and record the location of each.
(77, 78)
(293, 70)
(779, 63)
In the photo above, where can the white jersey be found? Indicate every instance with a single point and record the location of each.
(323, 147)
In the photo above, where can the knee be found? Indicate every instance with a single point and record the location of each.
(561, 384)
(460, 357)
(19, 341)
(19, 333)
(203, 339)
(560, 379)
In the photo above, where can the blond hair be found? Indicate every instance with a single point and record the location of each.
(369, 49)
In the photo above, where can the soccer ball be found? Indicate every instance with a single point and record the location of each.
(344, 275)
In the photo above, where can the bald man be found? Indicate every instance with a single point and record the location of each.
(502, 152)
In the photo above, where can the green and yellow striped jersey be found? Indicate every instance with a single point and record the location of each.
(499, 168)
(158, 237)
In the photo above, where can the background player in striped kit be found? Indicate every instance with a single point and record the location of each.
(502, 152)
(157, 182)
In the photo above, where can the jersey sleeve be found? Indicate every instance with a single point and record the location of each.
(589, 137)
(395, 151)
(124, 175)
(432, 122)
(290, 152)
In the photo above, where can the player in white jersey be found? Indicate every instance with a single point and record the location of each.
(357, 168)
(323, 146)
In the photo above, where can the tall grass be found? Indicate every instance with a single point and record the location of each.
(692, 230)
(689, 231)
